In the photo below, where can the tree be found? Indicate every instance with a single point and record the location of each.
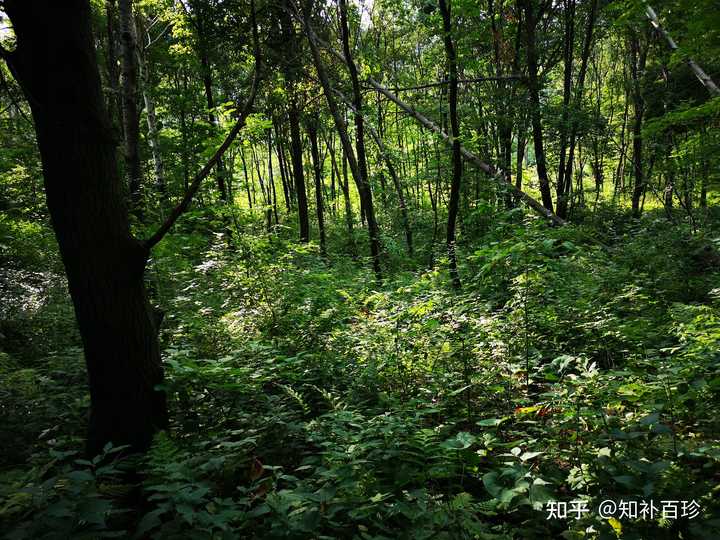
(454, 203)
(131, 114)
(366, 198)
(291, 73)
(532, 16)
(312, 131)
(56, 68)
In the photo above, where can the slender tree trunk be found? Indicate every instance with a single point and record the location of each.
(359, 173)
(131, 114)
(114, 101)
(703, 77)
(638, 56)
(206, 68)
(298, 174)
(383, 187)
(152, 123)
(455, 135)
(345, 184)
(185, 151)
(577, 100)
(103, 262)
(362, 179)
(620, 170)
(387, 158)
(245, 174)
(271, 178)
(267, 200)
(531, 21)
(312, 135)
(281, 165)
(568, 57)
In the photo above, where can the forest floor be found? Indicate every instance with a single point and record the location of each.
(308, 401)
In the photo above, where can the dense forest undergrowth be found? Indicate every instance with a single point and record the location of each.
(307, 401)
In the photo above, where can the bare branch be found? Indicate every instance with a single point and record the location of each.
(472, 158)
(182, 207)
(460, 81)
(703, 77)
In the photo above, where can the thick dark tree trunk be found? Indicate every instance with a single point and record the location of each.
(55, 64)
(291, 73)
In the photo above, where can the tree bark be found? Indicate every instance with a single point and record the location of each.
(312, 135)
(298, 173)
(455, 137)
(387, 158)
(131, 114)
(531, 21)
(363, 183)
(348, 152)
(54, 62)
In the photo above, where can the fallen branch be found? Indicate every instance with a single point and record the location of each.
(460, 81)
(192, 189)
(472, 158)
(469, 156)
(704, 78)
(385, 154)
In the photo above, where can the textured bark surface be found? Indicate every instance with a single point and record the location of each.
(56, 66)
(454, 203)
(131, 113)
(366, 197)
(317, 169)
(531, 20)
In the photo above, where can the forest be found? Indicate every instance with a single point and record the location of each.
(362, 269)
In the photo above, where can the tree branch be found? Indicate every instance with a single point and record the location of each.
(472, 158)
(703, 77)
(461, 81)
(182, 207)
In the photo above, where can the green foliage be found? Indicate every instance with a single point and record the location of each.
(307, 402)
